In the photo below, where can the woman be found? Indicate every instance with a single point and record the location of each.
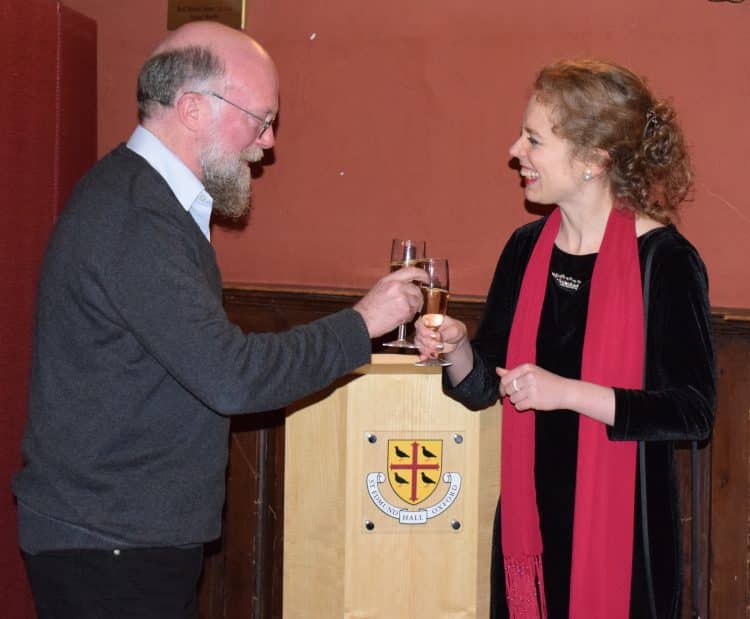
(583, 372)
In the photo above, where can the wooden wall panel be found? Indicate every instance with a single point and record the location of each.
(247, 569)
(729, 550)
(253, 543)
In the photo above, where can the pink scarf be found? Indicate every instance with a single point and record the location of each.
(613, 354)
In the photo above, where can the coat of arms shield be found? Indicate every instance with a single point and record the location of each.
(414, 468)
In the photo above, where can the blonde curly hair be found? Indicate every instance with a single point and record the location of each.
(598, 106)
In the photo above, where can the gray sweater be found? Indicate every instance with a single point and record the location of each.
(136, 368)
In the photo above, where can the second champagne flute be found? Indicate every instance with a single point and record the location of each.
(435, 301)
(404, 253)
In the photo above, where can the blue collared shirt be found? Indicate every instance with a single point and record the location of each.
(190, 192)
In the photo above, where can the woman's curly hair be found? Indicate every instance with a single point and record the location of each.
(598, 107)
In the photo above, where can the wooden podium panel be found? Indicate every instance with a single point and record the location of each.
(390, 494)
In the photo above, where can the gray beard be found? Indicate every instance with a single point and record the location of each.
(227, 179)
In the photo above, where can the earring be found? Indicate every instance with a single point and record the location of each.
(587, 175)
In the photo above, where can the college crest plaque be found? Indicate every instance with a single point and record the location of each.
(414, 468)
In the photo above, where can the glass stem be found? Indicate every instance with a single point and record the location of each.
(402, 332)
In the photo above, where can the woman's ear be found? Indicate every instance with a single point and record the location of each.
(597, 162)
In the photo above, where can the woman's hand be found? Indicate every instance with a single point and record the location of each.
(530, 387)
(451, 340)
(449, 336)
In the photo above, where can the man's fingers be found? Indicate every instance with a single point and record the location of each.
(410, 274)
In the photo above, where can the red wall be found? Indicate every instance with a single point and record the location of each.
(396, 119)
(48, 115)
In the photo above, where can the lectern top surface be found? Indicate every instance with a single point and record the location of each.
(383, 363)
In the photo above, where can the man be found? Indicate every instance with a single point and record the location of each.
(136, 367)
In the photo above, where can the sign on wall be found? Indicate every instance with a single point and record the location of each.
(229, 12)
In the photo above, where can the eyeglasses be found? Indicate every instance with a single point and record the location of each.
(265, 123)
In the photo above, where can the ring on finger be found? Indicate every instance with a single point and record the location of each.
(514, 382)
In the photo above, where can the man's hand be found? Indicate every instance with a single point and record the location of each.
(392, 301)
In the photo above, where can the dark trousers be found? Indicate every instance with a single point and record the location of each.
(143, 583)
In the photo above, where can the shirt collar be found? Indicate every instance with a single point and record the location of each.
(188, 190)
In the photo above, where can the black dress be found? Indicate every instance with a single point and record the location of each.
(676, 404)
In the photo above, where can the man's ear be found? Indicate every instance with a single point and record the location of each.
(192, 110)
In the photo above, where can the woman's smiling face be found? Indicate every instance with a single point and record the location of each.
(552, 175)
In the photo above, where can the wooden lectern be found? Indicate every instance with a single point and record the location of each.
(390, 494)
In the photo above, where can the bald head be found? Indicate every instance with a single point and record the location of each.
(211, 34)
(209, 93)
(200, 56)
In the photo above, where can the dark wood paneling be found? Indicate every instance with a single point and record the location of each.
(254, 518)
(729, 491)
(243, 575)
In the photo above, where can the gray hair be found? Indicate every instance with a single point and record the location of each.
(164, 74)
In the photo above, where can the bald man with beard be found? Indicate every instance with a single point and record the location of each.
(136, 369)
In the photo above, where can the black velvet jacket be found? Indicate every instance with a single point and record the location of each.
(676, 404)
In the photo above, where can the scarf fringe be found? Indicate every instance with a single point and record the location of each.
(524, 587)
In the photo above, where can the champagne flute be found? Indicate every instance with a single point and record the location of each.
(435, 302)
(404, 253)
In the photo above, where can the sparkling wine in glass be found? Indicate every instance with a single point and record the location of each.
(435, 301)
(405, 253)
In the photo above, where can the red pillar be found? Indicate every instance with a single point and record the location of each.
(48, 137)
